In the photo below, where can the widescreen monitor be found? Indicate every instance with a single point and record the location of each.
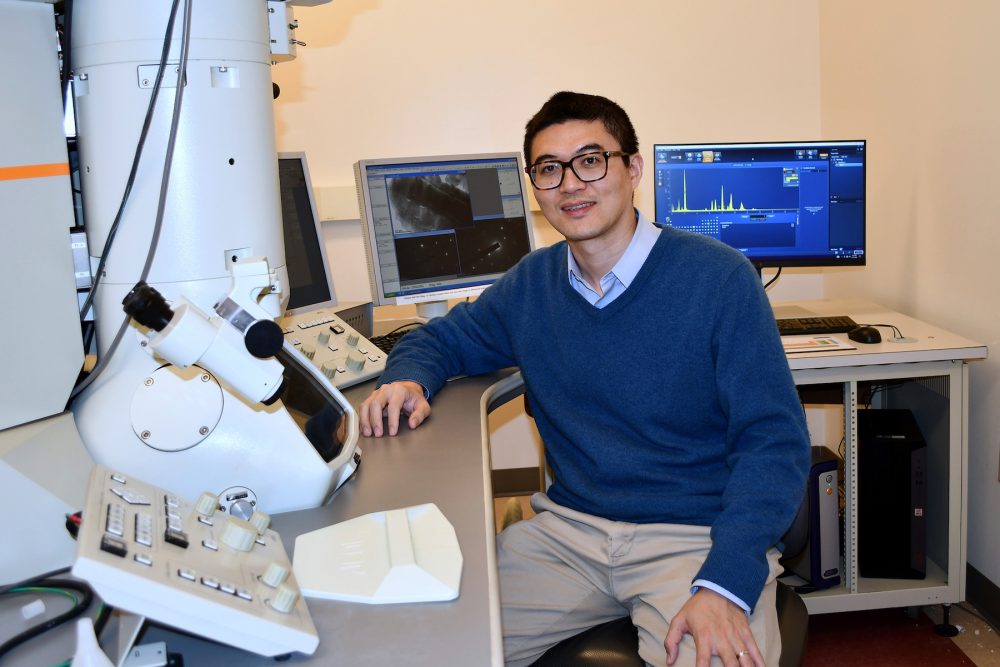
(440, 228)
(309, 277)
(780, 203)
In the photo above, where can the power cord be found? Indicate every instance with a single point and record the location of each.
(164, 182)
(48, 584)
(773, 279)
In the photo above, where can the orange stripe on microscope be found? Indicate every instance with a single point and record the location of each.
(34, 171)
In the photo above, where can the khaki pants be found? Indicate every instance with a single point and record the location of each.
(562, 572)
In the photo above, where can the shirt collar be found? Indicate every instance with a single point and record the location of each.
(628, 265)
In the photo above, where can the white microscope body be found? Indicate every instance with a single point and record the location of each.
(190, 406)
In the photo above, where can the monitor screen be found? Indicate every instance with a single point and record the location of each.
(439, 228)
(311, 285)
(779, 203)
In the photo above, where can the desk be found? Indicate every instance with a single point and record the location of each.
(446, 461)
(930, 377)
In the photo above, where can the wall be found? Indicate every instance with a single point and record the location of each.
(383, 78)
(918, 79)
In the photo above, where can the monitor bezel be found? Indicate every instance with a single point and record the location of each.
(368, 226)
(318, 225)
(801, 261)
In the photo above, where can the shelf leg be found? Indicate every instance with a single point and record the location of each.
(945, 628)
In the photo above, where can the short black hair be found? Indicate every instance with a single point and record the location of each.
(566, 106)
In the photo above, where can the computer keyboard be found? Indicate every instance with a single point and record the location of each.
(388, 341)
(149, 552)
(829, 324)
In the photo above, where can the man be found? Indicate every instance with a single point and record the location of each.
(660, 389)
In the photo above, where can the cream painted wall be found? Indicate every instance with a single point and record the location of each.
(384, 78)
(919, 80)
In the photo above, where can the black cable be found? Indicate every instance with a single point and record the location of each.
(408, 325)
(898, 334)
(103, 615)
(147, 122)
(771, 281)
(79, 608)
(66, 48)
(165, 179)
(31, 581)
(973, 612)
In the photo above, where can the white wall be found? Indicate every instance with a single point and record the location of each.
(385, 78)
(919, 80)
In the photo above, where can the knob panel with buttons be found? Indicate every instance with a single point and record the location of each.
(339, 350)
(149, 552)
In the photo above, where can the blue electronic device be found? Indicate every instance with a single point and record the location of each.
(779, 203)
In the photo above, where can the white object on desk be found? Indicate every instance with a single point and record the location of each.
(793, 344)
(149, 552)
(402, 555)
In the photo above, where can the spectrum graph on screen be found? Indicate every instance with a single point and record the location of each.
(780, 203)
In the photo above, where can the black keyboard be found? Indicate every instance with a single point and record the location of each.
(388, 341)
(812, 326)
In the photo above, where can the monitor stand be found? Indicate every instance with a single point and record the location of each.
(430, 309)
(789, 312)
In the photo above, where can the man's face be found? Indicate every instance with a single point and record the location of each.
(595, 212)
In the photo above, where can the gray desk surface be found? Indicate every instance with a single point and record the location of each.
(443, 462)
(921, 342)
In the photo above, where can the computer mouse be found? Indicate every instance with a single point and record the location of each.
(867, 335)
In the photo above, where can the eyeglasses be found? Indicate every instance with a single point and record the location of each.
(589, 167)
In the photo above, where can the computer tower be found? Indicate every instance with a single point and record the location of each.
(892, 492)
(819, 561)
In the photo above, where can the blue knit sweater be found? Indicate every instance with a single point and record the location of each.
(672, 404)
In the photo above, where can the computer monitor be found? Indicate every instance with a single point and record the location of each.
(439, 228)
(310, 282)
(780, 203)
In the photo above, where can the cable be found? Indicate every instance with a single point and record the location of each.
(164, 182)
(973, 612)
(66, 49)
(147, 122)
(408, 325)
(771, 281)
(31, 581)
(51, 586)
(895, 329)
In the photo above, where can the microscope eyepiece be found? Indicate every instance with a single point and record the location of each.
(147, 306)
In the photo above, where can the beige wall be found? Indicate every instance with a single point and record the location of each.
(385, 78)
(920, 80)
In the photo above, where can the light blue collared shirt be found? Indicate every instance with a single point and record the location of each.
(621, 275)
(613, 285)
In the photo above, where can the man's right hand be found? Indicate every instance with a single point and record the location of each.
(391, 400)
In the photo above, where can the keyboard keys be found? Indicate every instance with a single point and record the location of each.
(829, 324)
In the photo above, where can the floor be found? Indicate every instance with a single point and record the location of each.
(976, 638)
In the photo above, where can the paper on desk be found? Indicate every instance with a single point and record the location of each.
(794, 344)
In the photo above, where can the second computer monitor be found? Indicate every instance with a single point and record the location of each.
(779, 203)
(440, 228)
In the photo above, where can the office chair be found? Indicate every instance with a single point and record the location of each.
(615, 643)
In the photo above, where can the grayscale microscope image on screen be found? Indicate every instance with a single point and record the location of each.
(444, 227)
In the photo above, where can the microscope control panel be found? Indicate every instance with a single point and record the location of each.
(334, 346)
(188, 565)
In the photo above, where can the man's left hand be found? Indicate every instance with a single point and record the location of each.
(718, 627)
